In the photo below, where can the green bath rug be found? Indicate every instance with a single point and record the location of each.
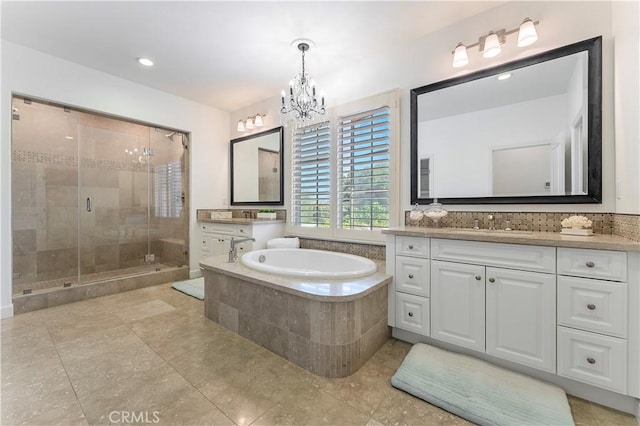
(479, 391)
(194, 287)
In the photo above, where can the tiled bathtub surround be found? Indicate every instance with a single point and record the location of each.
(326, 337)
(369, 251)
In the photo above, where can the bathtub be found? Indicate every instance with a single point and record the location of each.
(305, 263)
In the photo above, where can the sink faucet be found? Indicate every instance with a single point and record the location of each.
(233, 252)
(492, 222)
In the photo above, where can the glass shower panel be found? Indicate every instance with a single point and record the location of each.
(114, 198)
(168, 210)
(44, 196)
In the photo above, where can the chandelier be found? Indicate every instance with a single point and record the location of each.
(303, 103)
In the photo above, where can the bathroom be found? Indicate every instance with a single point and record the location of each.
(391, 70)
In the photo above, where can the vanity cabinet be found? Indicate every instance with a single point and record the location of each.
(507, 313)
(216, 237)
(592, 317)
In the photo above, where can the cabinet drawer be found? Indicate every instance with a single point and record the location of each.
(593, 358)
(412, 246)
(512, 256)
(412, 313)
(219, 228)
(244, 230)
(603, 264)
(593, 305)
(412, 275)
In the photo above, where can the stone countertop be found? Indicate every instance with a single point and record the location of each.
(241, 221)
(554, 239)
(339, 290)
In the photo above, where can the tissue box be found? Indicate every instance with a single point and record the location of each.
(271, 216)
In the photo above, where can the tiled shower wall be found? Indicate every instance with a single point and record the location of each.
(46, 196)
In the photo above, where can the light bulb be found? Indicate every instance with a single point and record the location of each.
(258, 121)
(240, 127)
(249, 124)
(491, 46)
(527, 34)
(460, 57)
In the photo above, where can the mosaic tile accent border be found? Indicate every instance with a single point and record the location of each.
(21, 156)
(521, 221)
(627, 226)
(370, 251)
(281, 214)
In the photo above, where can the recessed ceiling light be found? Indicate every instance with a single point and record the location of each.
(145, 61)
(504, 76)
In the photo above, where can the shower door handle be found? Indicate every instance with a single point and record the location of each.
(89, 204)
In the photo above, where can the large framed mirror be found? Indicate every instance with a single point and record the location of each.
(257, 168)
(528, 131)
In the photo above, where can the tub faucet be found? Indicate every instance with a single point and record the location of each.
(233, 252)
(492, 222)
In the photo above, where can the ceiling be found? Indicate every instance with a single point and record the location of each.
(225, 54)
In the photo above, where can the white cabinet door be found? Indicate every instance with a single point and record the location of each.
(412, 275)
(457, 304)
(521, 317)
(220, 245)
(412, 313)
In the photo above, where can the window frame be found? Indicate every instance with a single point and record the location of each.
(391, 99)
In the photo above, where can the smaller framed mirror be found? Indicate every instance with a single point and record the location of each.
(256, 169)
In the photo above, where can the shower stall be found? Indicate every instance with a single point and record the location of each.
(96, 200)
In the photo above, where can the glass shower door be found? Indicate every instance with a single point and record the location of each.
(114, 201)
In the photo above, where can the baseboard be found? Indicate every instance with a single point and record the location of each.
(6, 311)
(197, 273)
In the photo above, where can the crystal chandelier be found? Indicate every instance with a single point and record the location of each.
(303, 102)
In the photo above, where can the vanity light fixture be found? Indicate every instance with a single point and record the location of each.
(489, 44)
(145, 61)
(303, 102)
(250, 123)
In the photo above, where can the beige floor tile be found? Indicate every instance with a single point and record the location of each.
(400, 408)
(151, 349)
(363, 390)
(139, 311)
(31, 391)
(192, 408)
(312, 407)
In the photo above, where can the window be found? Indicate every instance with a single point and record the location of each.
(168, 189)
(343, 179)
(310, 176)
(363, 170)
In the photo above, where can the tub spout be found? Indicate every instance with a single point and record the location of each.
(233, 252)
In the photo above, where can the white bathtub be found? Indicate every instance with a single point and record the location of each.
(308, 263)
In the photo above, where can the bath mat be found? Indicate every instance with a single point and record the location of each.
(478, 391)
(194, 287)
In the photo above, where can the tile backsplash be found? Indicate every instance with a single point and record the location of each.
(627, 226)
(370, 251)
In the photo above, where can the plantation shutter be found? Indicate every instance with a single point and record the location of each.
(311, 173)
(363, 141)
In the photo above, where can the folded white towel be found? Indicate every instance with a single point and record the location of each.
(293, 242)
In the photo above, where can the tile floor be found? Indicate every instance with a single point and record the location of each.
(149, 355)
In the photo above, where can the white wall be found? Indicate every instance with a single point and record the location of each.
(29, 72)
(428, 60)
(461, 170)
(626, 33)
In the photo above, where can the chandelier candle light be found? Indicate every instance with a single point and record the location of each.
(303, 102)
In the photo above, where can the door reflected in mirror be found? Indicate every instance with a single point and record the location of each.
(256, 168)
(527, 131)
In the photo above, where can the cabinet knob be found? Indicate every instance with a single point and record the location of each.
(410, 246)
(410, 276)
(591, 307)
(410, 314)
(492, 280)
(591, 360)
(478, 277)
(590, 264)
